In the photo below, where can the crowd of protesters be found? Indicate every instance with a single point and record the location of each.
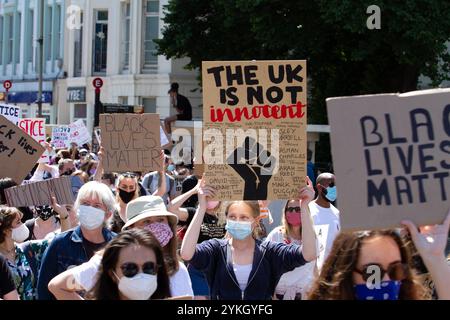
(159, 235)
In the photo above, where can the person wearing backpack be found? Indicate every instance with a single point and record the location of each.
(152, 181)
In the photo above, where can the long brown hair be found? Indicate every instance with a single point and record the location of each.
(335, 281)
(170, 252)
(106, 288)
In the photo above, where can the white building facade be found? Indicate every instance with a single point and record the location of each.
(19, 31)
(113, 40)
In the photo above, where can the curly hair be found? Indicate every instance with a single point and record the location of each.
(7, 217)
(335, 281)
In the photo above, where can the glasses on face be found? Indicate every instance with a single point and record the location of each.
(130, 269)
(396, 271)
(293, 209)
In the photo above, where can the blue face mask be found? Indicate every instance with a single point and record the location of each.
(238, 230)
(389, 290)
(331, 194)
(170, 167)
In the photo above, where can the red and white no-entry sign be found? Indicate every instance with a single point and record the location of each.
(7, 84)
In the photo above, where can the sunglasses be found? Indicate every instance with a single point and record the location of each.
(293, 209)
(128, 175)
(396, 271)
(130, 269)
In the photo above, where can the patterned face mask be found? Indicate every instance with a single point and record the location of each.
(160, 231)
(44, 212)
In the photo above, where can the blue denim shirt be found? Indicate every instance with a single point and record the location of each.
(270, 260)
(66, 250)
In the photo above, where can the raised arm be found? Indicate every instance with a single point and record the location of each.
(191, 237)
(309, 248)
(431, 242)
(63, 215)
(162, 186)
(175, 205)
(99, 171)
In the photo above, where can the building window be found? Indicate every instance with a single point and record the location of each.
(19, 29)
(123, 100)
(100, 41)
(29, 40)
(1, 40)
(149, 105)
(151, 32)
(126, 36)
(79, 111)
(10, 37)
(56, 49)
(48, 33)
(78, 47)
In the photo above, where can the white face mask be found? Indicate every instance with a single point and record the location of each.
(90, 218)
(20, 234)
(139, 287)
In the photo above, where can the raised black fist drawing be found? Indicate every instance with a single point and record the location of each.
(255, 165)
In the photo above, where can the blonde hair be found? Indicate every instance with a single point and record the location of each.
(254, 206)
(125, 176)
(99, 191)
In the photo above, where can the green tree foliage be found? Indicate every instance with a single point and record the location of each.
(344, 56)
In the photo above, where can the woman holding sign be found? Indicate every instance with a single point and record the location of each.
(294, 284)
(239, 266)
(376, 265)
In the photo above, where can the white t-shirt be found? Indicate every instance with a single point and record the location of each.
(298, 280)
(85, 275)
(242, 272)
(327, 225)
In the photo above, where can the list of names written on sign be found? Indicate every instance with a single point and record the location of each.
(255, 122)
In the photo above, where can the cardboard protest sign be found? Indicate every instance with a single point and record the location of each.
(391, 154)
(36, 129)
(131, 142)
(10, 112)
(255, 128)
(61, 137)
(79, 133)
(40, 193)
(18, 151)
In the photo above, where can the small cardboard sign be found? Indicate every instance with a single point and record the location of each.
(10, 112)
(40, 193)
(18, 151)
(254, 128)
(131, 142)
(79, 133)
(391, 155)
(61, 137)
(36, 129)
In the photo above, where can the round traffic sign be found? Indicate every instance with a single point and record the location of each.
(7, 84)
(97, 83)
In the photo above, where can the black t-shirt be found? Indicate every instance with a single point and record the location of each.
(209, 228)
(188, 184)
(91, 248)
(6, 280)
(184, 106)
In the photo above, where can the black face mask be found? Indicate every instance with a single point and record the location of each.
(44, 212)
(126, 196)
(68, 172)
